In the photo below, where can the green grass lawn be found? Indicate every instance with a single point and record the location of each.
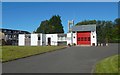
(108, 65)
(15, 52)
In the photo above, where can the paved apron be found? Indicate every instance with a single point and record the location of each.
(70, 60)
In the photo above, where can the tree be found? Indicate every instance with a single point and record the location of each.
(100, 31)
(104, 31)
(53, 25)
(116, 30)
(86, 22)
(117, 21)
(108, 30)
(43, 28)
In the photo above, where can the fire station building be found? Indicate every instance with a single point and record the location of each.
(83, 35)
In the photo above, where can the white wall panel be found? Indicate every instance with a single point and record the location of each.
(74, 38)
(69, 38)
(44, 39)
(34, 39)
(53, 37)
(93, 38)
(21, 41)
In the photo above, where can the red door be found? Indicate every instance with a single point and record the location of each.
(83, 38)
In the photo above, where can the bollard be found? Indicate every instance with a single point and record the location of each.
(98, 44)
(106, 44)
(101, 44)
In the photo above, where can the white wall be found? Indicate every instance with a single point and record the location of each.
(21, 40)
(53, 37)
(69, 38)
(2, 35)
(74, 38)
(93, 40)
(41, 35)
(34, 39)
(62, 38)
(43, 39)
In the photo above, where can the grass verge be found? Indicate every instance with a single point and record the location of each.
(16, 52)
(108, 65)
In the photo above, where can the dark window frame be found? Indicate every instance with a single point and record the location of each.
(88, 38)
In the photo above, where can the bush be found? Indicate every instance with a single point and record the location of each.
(3, 42)
(69, 45)
(74, 44)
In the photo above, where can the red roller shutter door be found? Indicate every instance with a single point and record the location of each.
(83, 38)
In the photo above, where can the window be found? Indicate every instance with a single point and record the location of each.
(63, 38)
(27, 36)
(85, 39)
(38, 38)
(59, 38)
(4, 31)
(9, 31)
(88, 38)
(78, 39)
(81, 38)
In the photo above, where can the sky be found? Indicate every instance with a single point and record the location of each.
(28, 15)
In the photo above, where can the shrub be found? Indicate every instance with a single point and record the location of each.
(2, 42)
(74, 44)
(69, 44)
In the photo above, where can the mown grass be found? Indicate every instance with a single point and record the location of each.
(109, 65)
(0, 53)
(15, 52)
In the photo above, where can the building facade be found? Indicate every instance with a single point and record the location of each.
(78, 35)
(39, 39)
(10, 37)
(83, 35)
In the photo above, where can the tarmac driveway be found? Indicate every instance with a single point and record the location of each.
(70, 60)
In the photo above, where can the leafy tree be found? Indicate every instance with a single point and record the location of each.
(43, 28)
(100, 31)
(117, 21)
(108, 30)
(53, 25)
(86, 22)
(104, 31)
(116, 30)
(56, 25)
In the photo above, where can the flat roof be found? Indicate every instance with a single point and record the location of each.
(20, 31)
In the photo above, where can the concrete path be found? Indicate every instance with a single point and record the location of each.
(70, 60)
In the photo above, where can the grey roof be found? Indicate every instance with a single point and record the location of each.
(6, 31)
(84, 28)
